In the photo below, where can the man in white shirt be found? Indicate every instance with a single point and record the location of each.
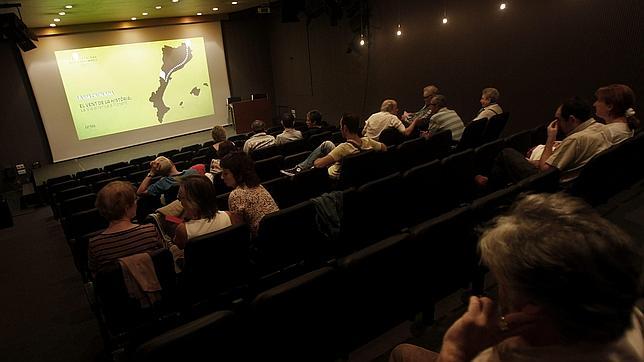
(386, 118)
(489, 103)
(260, 139)
(290, 133)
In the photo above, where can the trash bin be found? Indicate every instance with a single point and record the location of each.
(5, 214)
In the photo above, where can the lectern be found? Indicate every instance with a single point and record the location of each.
(245, 112)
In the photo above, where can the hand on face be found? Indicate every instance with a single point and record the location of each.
(480, 328)
(154, 167)
(552, 129)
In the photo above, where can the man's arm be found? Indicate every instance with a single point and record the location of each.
(325, 161)
(143, 187)
(547, 150)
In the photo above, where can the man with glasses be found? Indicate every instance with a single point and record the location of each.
(428, 93)
(443, 119)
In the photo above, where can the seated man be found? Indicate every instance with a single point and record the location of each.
(315, 124)
(290, 133)
(489, 99)
(443, 118)
(386, 118)
(428, 93)
(162, 166)
(584, 139)
(329, 155)
(259, 139)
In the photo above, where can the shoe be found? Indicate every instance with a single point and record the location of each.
(291, 171)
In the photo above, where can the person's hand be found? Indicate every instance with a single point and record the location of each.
(552, 129)
(406, 115)
(426, 134)
(479, 328)
(154, 168)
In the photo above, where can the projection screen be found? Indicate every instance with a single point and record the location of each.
(103, 91)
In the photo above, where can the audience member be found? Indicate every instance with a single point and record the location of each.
(330, 155)
(615, 105)
(315, 124)
(162, 166)
(386, 118)
(199, 201)
(218, 135)
(568, 282)
(584, 139)
(425, 112)
(443, 119)
(116, 202)
(259, 139)
(248, 198)
(290, 133)
(224, 148)
(489, 102)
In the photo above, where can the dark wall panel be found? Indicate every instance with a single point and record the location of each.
(21, 134)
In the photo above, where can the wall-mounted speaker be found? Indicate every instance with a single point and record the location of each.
(13, 29)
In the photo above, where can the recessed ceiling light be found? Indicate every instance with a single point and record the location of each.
(215, 9)
(444, 20)
(234, 2)
(52, 25)
(56, 19)
(133, 18)
(199, 14)
(62, 13)
(158, 7)
(175, 1)
(68, 6)
(144, 14)
(502, 6)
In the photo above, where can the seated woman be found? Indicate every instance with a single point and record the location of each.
(117, 203)
(615, 105)
(568, 282)
(248, 198)
(198, 198)
(224, 148)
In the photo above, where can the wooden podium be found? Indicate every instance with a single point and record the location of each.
(245, 112)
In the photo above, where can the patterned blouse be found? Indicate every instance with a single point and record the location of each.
(252, 204)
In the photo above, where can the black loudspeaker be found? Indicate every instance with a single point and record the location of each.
(14, 29)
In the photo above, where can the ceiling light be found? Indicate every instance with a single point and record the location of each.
(399, 31)
(133, 18)
(444, 20)
(234, 3)
(175, 1)
(68, 6)
(56, 19)
(144, 14)
(215, 9)
(362, 40)
(62, 13)
(52, 25)
(502, 6)
(158, 7)
(199, 14)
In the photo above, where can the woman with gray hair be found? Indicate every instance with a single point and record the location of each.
(568, 282)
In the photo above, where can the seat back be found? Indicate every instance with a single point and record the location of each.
(439, 145)
(92, 171)
(269, 168)
(114, 166)
(293, 159)
(288, 236)
(145, 160)
(191, 148)
(284, 318)
(391, 136)
(410, 153)
(122, 313)
(423, 195)
(317, 139)
(472, 135)
(98, 185)
(495, 126)
(459, 176)
(519, 141)
(281, 189)
(77, 204)
(264, 152)
(363, 167)
(214, 337)
(215, 263)
(484, 156)
(94, 178)
(124, 171)
(169, 154)
(182, 156)
(310, 183)
(293, 147)
(83, 222)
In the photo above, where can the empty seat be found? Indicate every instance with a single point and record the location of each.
(310, 183)
(459, 176)
(391, 136)
(495, 126)
(424, 195)
(169, 154)
(67, 194)
(203, 159)
(317, 139)
(222, 201)
(207, 144)
(191, 148)
(283, 319)
(269, 168)
(77, 204)
(55, 180)
(84, 222)
(410, 153)
(81, 174)
(472, 135)
(124, 171)
(92, 179)
(545, 181)
(182, 156)
(264, 152)
(287, 237)
(484, 156)
(519, 141)
(216, 263)
(137, 176)
(439, 145)
(363, 167)
(142, 160)
(294, 147)
(98, 185)
(281, 189)
(214, 337)
(114, 166)
(292, 160)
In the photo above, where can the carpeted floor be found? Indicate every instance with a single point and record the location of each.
(45, 315)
